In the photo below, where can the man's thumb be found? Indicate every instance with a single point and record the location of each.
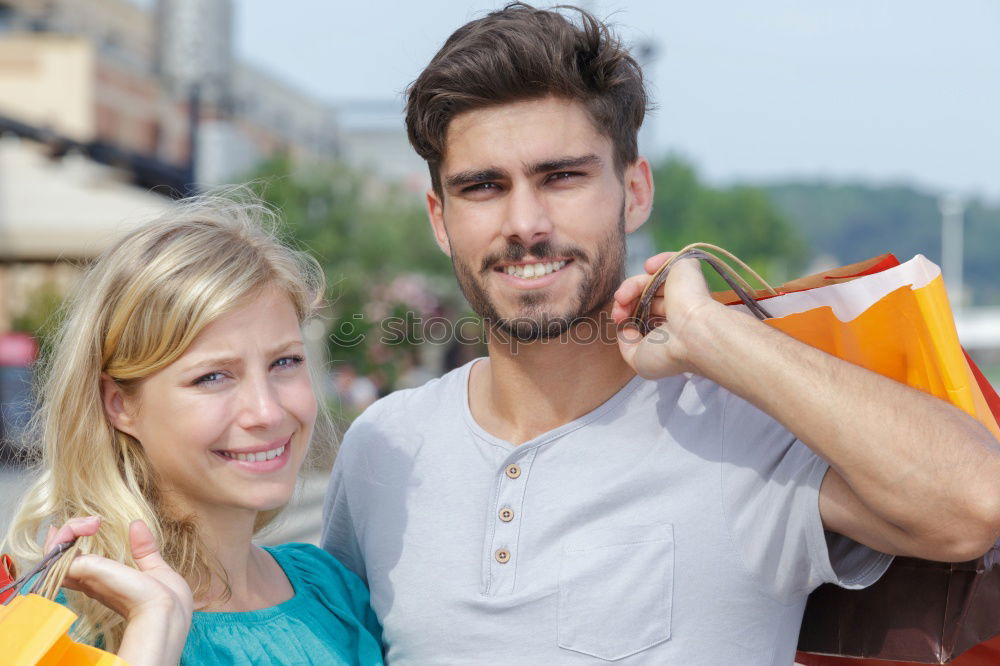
(629, 338)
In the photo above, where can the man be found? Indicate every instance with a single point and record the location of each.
(572, 499)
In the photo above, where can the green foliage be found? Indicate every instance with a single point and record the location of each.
(852, 222)
(740, 219)
(376, 247)
(41, 316)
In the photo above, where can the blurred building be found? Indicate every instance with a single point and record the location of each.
(111, 108)
(373, 138)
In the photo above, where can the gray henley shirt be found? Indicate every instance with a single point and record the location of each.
(674, 524)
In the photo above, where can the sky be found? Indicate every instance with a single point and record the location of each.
(884, 91)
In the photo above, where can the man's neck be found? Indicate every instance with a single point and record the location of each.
(527, 389)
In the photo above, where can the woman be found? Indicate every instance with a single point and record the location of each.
(179, 408)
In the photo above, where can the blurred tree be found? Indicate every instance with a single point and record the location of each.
(855, 221)
(41, 316)
(740, 219)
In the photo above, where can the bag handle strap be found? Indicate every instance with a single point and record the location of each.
(50, 572)
(704, 252)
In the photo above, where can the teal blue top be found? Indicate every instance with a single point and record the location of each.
(327, 621)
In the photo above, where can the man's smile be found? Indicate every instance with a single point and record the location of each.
(532, 269)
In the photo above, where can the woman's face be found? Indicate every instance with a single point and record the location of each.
(227, 425)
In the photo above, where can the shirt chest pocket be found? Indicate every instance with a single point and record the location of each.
(615, 590)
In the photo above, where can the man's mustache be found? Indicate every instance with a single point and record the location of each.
(541, 251)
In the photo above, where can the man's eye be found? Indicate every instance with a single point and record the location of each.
(479, 187)
(564, 175)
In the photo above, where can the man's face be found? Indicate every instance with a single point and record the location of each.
(534, 215)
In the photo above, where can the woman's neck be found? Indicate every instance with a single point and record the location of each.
(254, 579)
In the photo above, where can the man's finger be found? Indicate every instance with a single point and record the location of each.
(629, 338)
(631, 289)
(653, 263)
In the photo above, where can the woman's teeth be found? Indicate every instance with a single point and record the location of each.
(260, 456)
(530, 271)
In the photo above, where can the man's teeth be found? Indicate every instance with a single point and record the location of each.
(260, 456)
(531, 271)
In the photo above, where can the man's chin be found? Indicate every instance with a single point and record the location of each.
(524, 329)
(536, 326)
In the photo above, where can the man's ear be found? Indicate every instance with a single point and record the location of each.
(638, 194)
(115, 407)
(435, 211)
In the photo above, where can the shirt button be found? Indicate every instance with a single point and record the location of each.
(502, 555)
(506, 514)
(513, 471)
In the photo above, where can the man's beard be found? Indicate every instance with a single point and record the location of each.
(602, 274)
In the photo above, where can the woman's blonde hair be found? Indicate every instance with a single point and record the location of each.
(137, 309)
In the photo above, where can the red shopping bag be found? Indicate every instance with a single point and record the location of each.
(7, 575)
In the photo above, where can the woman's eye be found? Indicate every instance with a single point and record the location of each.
(288, 362)
(210, 378)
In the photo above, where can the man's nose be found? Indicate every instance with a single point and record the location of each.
(527, 219)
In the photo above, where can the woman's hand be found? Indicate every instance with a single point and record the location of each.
(153, 598)
(683, 300)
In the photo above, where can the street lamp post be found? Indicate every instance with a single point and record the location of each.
(952, 242)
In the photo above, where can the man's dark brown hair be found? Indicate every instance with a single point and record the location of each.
(521, 53)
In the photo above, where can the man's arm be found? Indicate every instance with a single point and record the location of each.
(339, 537)
(909, 474)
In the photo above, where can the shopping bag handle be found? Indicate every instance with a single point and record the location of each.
(702, 251)
(50, 572)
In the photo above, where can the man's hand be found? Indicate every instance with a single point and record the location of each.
(683, 298)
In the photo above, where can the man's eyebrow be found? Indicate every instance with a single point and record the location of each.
(563, 163)
(473, 176)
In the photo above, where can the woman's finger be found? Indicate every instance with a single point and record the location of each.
(117, 586)
(145, 552)
(71, 529)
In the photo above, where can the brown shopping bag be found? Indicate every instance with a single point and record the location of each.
(33, 627)
(893, 319)
(919, 612)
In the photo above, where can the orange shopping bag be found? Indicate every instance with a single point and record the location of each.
(896, 322)
(893, 319)
(33, 627)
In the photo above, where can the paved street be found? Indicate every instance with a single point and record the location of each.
(300, 522)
